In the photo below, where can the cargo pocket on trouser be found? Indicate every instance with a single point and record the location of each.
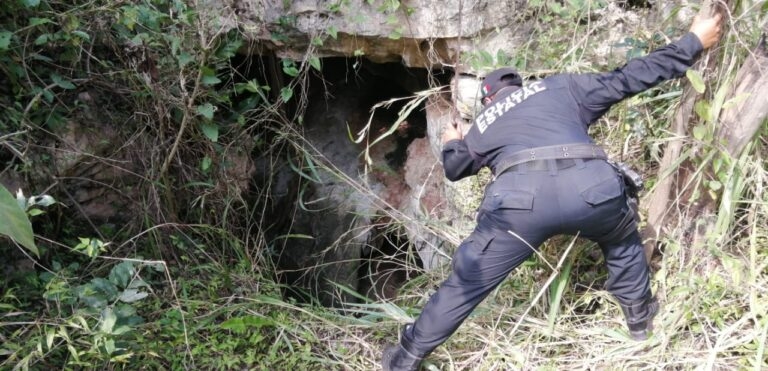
(466, 262)
(603, 191)
(508, 200)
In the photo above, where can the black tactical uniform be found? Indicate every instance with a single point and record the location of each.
(535, 199)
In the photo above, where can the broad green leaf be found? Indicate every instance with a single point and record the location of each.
(132, 295)
(121, 274)
(30, 3)
(715, 185)
(209, 77)
(5, 39)
(229, 49)
(206, 110)
(184, 59)
(108, 320)
(286, 94)
(109, 345)
(49, 335)
(42, 39)
(699, 132)
(289, 68)
(235, 325)
(696, 80)
(35, 212)
(735, 101)
(209, 80)
(60, 82)
(704, 110)
(15, 223)
(396, 34)
(205, 164)
(211, 131)
(315, 63)
(105, 286)
(82, 34)
(333, 32)
(124, 310)
(121, 330)
(34, 21)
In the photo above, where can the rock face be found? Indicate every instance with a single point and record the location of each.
(420, 33)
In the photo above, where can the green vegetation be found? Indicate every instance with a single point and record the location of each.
(191, 283)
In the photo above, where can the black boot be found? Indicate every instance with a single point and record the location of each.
(402, 356)
(639, 315)
(396, 358)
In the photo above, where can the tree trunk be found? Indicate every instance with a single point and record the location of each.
(739, 121)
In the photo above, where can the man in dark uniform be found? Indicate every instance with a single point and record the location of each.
(549, 179)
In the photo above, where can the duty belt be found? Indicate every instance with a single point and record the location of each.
(561, 151)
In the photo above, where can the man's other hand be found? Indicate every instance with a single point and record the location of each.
(707, 29)
(450, 133)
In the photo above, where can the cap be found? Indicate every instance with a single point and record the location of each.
(497, 79)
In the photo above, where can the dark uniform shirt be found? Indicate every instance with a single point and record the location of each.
(559, 109)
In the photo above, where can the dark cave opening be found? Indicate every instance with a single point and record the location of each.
(387, 264)
(339, 101)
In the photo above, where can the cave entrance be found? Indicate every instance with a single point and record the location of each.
(353, 241)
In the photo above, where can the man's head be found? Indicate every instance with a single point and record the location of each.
(497, 80)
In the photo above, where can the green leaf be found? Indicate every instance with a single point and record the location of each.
(132, 295)
(121, 274)
(82, 34)
(229, 49)
(289, 67)
(34, 21)
(35, 212)
(735, 101)
(42, 39)
(109, 345)
(60, 82)
(703, 109)
(396, 34)
(105, 286)
(315, 63)
(205, 164)
(209, 77)
(211, 131)
(30, 3)
(15, 223)
(184, 59)
(697, 81)
(108, 320)
(699, 132)
(206, 110)
(333, 32)
(286, 94)
(715, 185)
(235, 325)
(5, 39)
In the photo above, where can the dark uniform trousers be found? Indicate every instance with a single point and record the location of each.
(585, 198)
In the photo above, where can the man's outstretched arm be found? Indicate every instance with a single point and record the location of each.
(596, 93)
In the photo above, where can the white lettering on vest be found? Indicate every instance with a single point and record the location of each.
(489, 115)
